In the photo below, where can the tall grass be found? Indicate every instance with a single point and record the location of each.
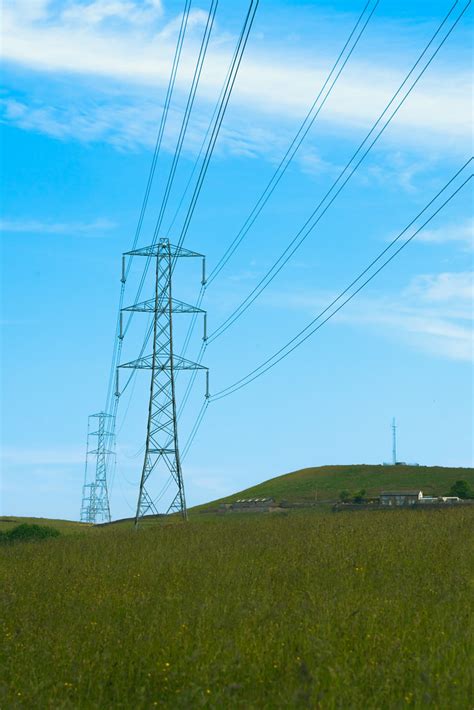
(371, 610)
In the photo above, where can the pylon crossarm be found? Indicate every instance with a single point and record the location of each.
(159, 249)
(163, 363)
(163, 307)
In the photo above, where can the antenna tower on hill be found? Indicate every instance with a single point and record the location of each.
(394, 441)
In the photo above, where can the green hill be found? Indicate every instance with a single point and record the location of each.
(325, 483)
(66, 527)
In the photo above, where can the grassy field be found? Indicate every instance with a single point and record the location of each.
(326, 482)
(372, 610)
(65, 527)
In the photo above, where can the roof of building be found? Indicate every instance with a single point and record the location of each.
(253, 500)
(401, 493)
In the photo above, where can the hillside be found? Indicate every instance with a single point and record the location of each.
(66, 527)
(326, 482)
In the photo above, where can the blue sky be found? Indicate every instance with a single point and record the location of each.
(84, 84)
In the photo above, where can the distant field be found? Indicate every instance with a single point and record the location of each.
(326, 482)
(66, 527)
(363, 610)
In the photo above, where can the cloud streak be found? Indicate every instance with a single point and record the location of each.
(32, 226)
(43, 457)
(434, 313)
(458, 232)
(108, 41)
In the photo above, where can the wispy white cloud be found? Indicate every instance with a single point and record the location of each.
(445, 288)
(43, 457)
(461, 232)
(434, 313)
(32, 226)
(132, 125)
(98, 11)
(108, 40)
(397, 168)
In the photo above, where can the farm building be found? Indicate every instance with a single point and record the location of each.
(249, 505)
(400, 498)
(437, 500)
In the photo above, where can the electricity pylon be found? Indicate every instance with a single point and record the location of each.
(95, 498)
(161, 447)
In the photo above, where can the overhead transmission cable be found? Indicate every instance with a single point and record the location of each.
(184, 125)
(159, 138)
(118, 341)
(204, 408)
(235, 65)
(214, 128)
(216, 122)
(309, 330)
(197, 161)
(313, 112)
(179, 145)
(299, 137)
(254, 293)
(314, 218)
(222, 106)
(169, 92)
(292, 149)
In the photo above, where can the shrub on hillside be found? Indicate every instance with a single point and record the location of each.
(461, 489)
(27, 532)
(359, 497)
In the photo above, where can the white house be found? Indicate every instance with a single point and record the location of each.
(400, 498)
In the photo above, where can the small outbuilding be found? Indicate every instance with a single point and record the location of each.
(400, 498)
(249, 505)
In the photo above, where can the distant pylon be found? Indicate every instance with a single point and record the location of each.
(161, 447)
(95, 498)
(394, 441)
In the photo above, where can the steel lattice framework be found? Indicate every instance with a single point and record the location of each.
(95, 498)
(161, 447)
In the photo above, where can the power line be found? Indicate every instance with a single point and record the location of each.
(223, 102)
(292, 149)
(239, 52)
(216, 122)
(164, 116)
(159, 138)
(262, 369)
(283, 352)
(179, 145)
(195, 428)
(201, 149)
(200, 415)
(218, 116)
(298, 139)
(184, 125)
(215, 131)
(309, 226)
(118, 341)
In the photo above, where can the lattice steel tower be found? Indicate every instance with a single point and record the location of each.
(95, 498)
(161, 447)
(394, 441)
